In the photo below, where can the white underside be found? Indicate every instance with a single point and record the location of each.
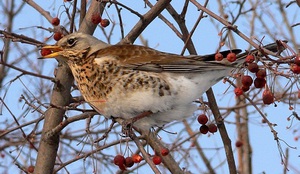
(167, 108)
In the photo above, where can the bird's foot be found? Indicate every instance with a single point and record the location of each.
(127, 127)
(127, 124)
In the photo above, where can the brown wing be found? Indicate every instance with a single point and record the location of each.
(147, 59)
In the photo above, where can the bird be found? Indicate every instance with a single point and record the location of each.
(135, 82)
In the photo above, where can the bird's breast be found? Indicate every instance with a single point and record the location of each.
(115, 91)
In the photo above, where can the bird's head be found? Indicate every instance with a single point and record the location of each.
(74, 47)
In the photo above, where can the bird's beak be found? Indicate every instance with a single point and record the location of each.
(55, 51)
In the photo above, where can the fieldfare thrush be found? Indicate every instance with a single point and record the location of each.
(129, 80)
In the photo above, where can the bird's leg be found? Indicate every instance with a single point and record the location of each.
(128, 123)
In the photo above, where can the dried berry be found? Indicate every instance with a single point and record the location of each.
(164, 151)
(238, 91)
(297, 60)
(57, 36)
(259, 82)
(129, 162)
(104, 23)
(250, 58)
(218, 57)
(261, 73)
(202, 119)
(137, 158)
(119, 160)
(253, 67)
(55, 21)
(245, 88)
(295, 69)
(30, 169)
(231, 57)
(96, 18)
(212, 128)
(268, 97)
(204, 129)
(247, 80)
(239, 143)
(45, 51)
(156, 159)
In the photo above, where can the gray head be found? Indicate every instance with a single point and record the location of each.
(79, 41)
(74, 45)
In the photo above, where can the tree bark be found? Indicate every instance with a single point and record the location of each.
(53, 116)
(60, 97)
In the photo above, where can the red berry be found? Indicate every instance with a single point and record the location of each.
(245, 88)
(137, 158)
(295, 69)
(247, 80)
(261, 73)
(129, 162)
(231, 57)
(239, 143)
(259, 83)
(297, 60)
(122, 167)
(203, 129)
(218, 57)
(238, 91)
(104, 22)
(268, 97)
(164, 151)
(57, 36)
(55, 21)
(96, 18)
(30, 169)
(45, 51)
(212, 128)
(250, 58)
(119, 160)
(202, 119)
(253, 67)
(263, 121)
(156, 159)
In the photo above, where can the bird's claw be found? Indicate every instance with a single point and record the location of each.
(127, 126)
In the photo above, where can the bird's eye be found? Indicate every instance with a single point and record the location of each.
(71, 41)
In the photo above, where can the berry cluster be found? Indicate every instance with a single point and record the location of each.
(96, 19)
(57, 35)
(204, 128)
(231, 57)
(128, 162)
(123, 162)
(259, 81)
(260, 73)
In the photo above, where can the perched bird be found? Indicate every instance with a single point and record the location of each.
(130, 81)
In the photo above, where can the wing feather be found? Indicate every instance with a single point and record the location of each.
(146, 59)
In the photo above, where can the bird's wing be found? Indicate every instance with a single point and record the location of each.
(146, 59)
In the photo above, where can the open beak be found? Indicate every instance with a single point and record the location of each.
(50, 51)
